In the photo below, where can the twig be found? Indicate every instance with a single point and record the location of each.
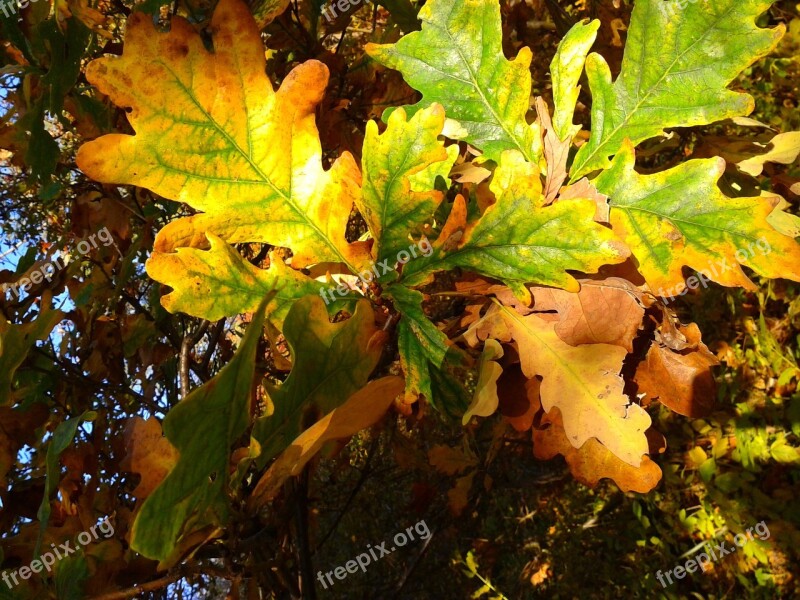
(359, 484)
(150, 586)
(188, 343)
(413, 566)
(301, 519)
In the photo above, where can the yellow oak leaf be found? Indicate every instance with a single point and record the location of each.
(582, 381)
(212, 132)
(592, 462)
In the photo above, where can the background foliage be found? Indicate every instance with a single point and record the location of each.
(496, 514)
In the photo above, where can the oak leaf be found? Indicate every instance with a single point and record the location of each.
(211, 132)
(149, 454)
(583, 381)
(400, 168)
(362, 410)
(592, 461)
(680, 379)
(604, 311)
(202, 428)
(679, 217)
(330, 363)
(679, 59)
(518, 240)
(457, 60)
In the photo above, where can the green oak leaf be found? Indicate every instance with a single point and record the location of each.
(680, 217)
(215, 283)
(400, 168)
(679, 59)
(457, 60)
(565, 71)
(331, 361)
(433, 368)
(519, 241)
(202, 427)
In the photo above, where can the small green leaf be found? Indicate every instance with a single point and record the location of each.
(429, 361)
(565, 71)
(400, 168)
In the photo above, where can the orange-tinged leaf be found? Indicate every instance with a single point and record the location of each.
(211, 132)
(592, 461)
(149, 454)
(583, 381)
(363, 409)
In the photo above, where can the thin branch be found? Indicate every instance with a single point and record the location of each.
(303, 546)
(150, 586)
(361, 480)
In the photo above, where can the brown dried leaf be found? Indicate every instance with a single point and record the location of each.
(556, 153)
(451, 461)
(683, 380)
(149, 454)
(603, 312)
(583, 188)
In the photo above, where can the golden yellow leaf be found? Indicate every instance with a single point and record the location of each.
(583, 381)
(211, 132)
(592, 461)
